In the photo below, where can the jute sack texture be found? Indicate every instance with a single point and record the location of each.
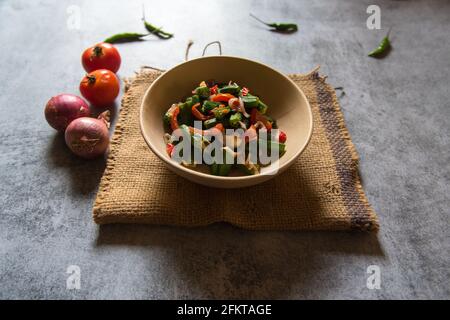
(321, 191)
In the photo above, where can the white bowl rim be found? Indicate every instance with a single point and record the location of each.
(178, 166)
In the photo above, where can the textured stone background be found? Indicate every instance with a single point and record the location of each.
(397, 110)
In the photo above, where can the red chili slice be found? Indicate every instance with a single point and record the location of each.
(169, 149)
(282, 137)
(214, 89)
(198, 114)
(174, 120)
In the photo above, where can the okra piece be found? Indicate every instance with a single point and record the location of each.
(221, 112)
(232, 88)
(168, 115)
(234, 119)
(186, 130)
(166, 118)
(192, 100)
(224, 169)
(210, 123)
(185, 116)
(272, 145)
(281, 148)
(202, 92)
(262, 107)
(248, 169)
(250, 101)
(198, 142)
(272, 121)
(214, 169)
(209, 105)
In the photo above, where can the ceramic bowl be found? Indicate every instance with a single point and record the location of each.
(287, 104)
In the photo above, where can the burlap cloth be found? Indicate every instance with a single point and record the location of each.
(321, 191)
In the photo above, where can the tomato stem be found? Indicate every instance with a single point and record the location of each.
(91, 79)
(97, 52)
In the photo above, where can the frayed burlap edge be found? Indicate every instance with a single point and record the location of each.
(360, 221)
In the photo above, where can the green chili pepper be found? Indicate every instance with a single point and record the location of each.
(157, 31)
(125, 37)
(383, 47)
(154, 30)
(280, 27)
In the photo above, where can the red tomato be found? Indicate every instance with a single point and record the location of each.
(282, 137)
(100, 87)
(223, 97)
(214, 90)
(169, 149)
(101, 56)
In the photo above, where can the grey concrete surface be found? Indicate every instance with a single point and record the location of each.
(397, 110)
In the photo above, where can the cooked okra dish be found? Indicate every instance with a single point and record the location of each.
(225, 127)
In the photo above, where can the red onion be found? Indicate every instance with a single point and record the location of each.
(88, 137)
(62, 109)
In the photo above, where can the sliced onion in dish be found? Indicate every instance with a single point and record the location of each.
(242, 108)
(259, 125)
(243, 126)
(167, 138)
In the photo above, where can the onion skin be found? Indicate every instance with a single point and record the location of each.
(62, 109)
(87, 137)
